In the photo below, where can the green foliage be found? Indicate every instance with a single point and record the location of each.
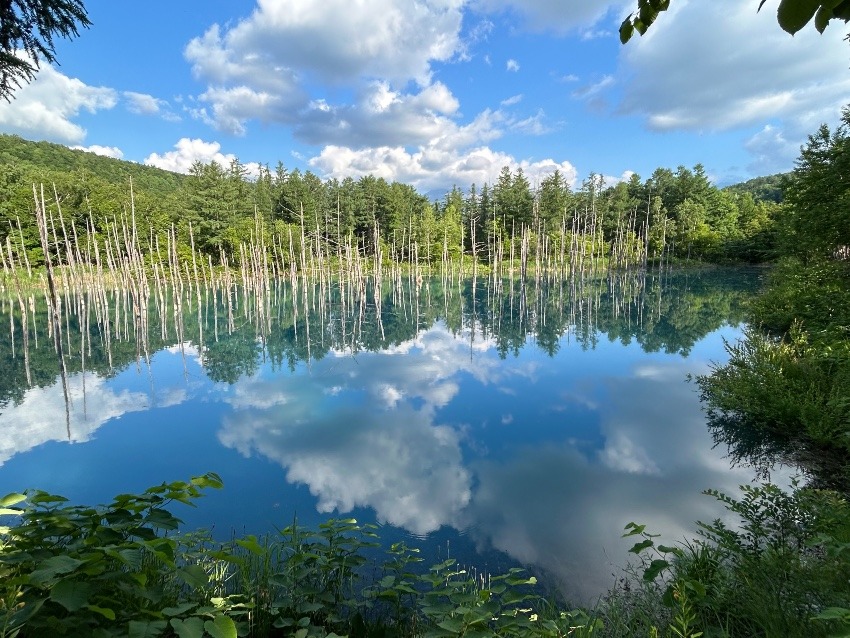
(791, 389)
(785, 392)
(816, 221)
(768, 188)
(27, 31)
(792, 15)
(125, 570)
(780, 570)
(78, 570)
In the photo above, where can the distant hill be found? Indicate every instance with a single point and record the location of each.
(45, 157)
(768, 188)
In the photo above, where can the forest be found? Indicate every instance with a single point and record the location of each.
(670, 215)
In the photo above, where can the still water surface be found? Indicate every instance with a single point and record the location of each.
(499, 425)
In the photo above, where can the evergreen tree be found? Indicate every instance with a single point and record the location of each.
(27, 31)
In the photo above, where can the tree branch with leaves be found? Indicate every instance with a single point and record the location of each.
(27, 32)
(792, 15)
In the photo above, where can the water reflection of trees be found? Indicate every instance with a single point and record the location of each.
(285, 326)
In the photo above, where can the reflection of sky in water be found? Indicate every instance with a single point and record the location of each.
(543, 458)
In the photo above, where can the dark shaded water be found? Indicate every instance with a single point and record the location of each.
(518, 424)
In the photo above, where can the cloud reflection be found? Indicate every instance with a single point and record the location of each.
(41, 417)
(324, 428)
(564, 511)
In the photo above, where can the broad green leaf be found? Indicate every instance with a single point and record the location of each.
(250, 543)
(632, 529)
(302, 633)
(210, 479)
(822, 18)
(194, 576)
(22, 616)
(221, 627)
(188, 627)
(44, 497)
(71, 594)
(106, 612)
(833, 613)
(131, 557)
(146, 628)
(637, 548)
(793, 15)
(655, 568)
(12, 499)
(52, 567)
(179, 609)
(5, 511)
(667, 549)
(454, 625)
(842, 11)
(164, 519)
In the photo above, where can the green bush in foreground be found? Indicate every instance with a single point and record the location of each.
(124, 570)
(782, 570)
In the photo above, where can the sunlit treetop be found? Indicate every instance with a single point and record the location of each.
(792, 15)
(27, 32)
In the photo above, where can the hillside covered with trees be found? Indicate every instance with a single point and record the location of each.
(673, 213)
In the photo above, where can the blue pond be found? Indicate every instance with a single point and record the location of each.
(497, 422)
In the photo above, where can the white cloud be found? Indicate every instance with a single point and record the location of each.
(556, 15)
(190, 151)
(533, 125)
(742, 71)
(771, 151)
(591, 90)
(336, 40)
(47, 107)
(429, 167)
(514, 99)
(144, 104)
(106, 151)
(512, 65)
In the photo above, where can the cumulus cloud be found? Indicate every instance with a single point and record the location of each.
(388, 39)
(106, 151)
(46, 107)
(381, 116)
(512, 65)
(144, 104)
(742, 71)
(429, 167)
(188, 151)
(771, 151)
(554, 15)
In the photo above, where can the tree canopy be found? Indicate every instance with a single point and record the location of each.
(792, 15)
(27, 32)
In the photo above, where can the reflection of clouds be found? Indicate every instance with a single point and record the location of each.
(408, 470)
(40, 417)
(256, 392)
(564, 511)
(397, 462)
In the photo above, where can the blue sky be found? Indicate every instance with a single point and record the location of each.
(439, 92)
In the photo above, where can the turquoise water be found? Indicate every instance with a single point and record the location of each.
(500, 425)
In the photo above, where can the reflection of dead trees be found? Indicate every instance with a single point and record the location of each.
(124, 285)
(53, 298)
